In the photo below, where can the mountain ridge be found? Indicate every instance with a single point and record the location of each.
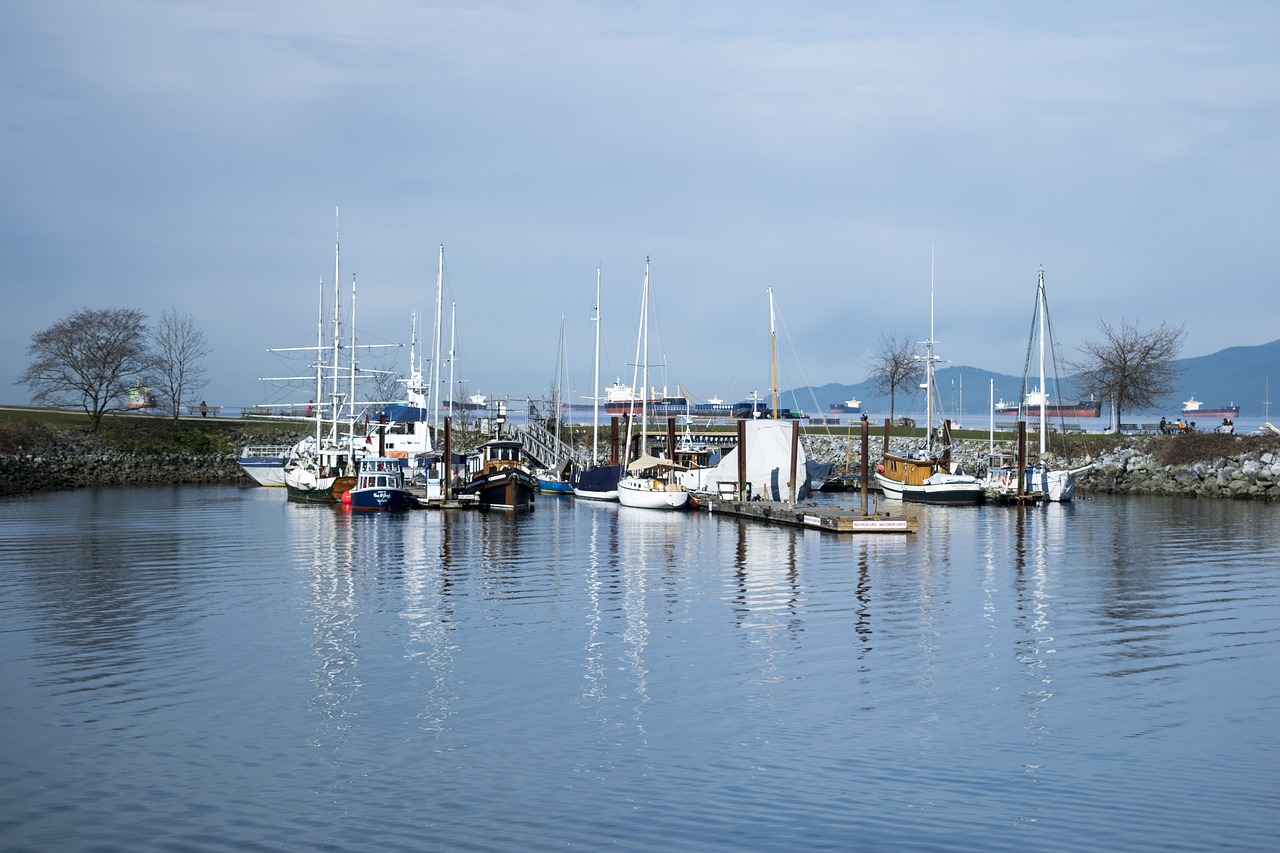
(1236, 375)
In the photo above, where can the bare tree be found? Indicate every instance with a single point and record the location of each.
(88, 359)
(894, 364)
(179, 345)
(1130, 366)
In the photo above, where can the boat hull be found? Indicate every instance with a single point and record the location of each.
(265, 465)
(382, 499)
(597, 484)
(327, 490)
(507, 489)
(949, 491)
(641, 492)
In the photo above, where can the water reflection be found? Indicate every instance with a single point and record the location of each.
(108, 582)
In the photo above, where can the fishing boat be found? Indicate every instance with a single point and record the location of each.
(927, 475)
(498, 478)
(1193, 408)
(380, 486)
(649, 482)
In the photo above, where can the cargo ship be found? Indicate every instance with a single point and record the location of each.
(1193, 408)
(848, 407)
(1084, 409)
(620, 399)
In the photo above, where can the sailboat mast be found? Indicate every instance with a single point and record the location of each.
(319, 360)
(595, 384)
(1044, 397)
(928, 365)
(773, 355)
(351, 398)
(435, 358)
(337, 339)
(644, 333)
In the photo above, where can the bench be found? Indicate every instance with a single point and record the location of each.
(203, 410)
(1072, 429)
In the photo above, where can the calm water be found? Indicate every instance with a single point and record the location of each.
(210, 668)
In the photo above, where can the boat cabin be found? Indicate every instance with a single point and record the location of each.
(380, 472)
(496, 455)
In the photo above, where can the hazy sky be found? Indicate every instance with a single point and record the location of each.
(190, 155)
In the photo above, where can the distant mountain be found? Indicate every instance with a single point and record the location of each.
(1235, 375)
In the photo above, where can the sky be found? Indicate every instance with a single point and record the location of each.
(865, 160)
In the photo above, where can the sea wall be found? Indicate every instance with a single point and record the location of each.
(69, 459)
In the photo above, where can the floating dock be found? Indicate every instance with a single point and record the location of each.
(833, 519)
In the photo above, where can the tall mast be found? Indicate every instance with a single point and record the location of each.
(319, 360)
(595, 383)
(435, 358)
(929, 357)
(337, 342)
(351, 399)
(773, 354)
(635, 365)
(1044, 396)
(644, 326)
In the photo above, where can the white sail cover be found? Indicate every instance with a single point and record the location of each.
(768, 465)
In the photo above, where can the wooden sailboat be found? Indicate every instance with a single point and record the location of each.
(927, 476)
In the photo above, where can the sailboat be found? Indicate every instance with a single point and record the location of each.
(649, 483)
(555, 480)
(598, 482)
(1056, 484)
(927, 475)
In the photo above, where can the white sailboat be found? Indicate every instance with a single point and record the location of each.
(649, 483)
(1057, 484)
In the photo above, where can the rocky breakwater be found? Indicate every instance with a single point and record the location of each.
(34, 457)
(1201, 465)
(1250, 475)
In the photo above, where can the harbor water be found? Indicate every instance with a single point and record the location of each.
(214, 669)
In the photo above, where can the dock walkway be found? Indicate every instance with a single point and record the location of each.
(833, 519)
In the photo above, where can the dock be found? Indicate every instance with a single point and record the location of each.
(437, 501)
(832, 519)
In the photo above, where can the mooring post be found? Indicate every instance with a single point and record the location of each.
(446, 469)
(866, 446)
(742, 460)
(795, 459)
